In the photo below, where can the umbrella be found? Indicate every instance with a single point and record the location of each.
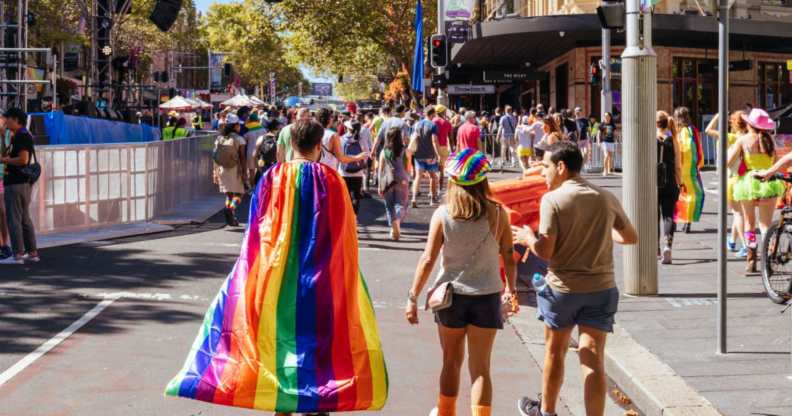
(293, 101)
(256, 100)
(237, 101)
(177, 103)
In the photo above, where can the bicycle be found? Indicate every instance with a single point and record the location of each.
(776, 254)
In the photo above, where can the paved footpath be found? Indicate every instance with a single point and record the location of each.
(120, 360)
(679, 326)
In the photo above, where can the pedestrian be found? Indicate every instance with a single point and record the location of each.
(691, 195)
(579, 222)
(353, 143)
(738, 127)
(17, 186)
(757, 151)
(469, 135)
(426, 154)
(5, 241)
(392, 119)
(471, 232)
(551, 134)
(669, 176)
(295, 293)
(176, 131)
(537, 134)
(332, 152)
(284, 137)
(394, 181)
(570, 126)
(506, 127)
(253, 139)
(607, 140)
(444, 129)
(525, 142)
(584, 134)
(230, 172)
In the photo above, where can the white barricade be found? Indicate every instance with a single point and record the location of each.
(94, 185)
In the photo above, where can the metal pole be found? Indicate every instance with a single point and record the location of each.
(723, 110)
(639, 92)
(442, 97)
(606, 98)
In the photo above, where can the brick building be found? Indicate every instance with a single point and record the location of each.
(543, 51)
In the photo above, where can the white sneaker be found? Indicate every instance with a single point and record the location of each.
(666, 257)
(12, 260)
(434, 412)
(29, 259)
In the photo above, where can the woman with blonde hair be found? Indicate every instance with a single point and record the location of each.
(757, 150)
(472, 232)
(738, 127)
(669, 176)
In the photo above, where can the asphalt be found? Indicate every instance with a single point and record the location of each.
(120, 362)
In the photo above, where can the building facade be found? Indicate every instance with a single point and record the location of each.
(548, 51)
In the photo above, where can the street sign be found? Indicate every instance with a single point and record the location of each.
(470, 89)
(458, 31)
(511, 76)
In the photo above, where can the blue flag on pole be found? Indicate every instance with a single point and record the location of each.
(418, 55)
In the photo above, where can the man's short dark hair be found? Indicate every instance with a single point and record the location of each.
(400, 109)
(17, 114)
(306, 135)
(386, 109)
(430, 111)
(567, 152)
(324, 115)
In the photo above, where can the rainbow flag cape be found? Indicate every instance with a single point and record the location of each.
(293, 327)
(691, 202)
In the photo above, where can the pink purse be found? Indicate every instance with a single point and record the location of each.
(440, 297)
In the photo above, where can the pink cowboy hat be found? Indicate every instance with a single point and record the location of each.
(759, 119)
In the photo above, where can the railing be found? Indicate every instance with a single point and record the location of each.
(85, 186)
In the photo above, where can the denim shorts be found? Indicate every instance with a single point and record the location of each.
(427, 165)
(561, 310)
(483, 311)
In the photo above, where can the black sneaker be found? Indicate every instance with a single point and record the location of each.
(6, 252)
(529, 407)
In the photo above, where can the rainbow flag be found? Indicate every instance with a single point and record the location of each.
(691, 202)
(293, 328)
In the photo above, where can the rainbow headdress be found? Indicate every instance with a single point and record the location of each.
(691, 202)
(293, 327)
(467, 167)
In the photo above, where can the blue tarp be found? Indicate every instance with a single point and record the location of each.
(63, 129)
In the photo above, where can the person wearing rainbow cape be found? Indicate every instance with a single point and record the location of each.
(691, 198)
(293, 327)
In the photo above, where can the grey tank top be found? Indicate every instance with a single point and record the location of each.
(470, 256)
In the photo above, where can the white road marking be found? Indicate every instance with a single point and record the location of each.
(684, 302)
(54, 341)
(370, 249)
(143, 296)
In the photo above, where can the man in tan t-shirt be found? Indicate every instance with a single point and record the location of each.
(579, 222)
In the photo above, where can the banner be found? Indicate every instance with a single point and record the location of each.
(459, 9)
(324, 89)
(216, 69)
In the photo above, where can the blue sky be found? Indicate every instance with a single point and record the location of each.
(203, 5)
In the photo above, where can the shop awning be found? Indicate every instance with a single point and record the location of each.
(513, 42)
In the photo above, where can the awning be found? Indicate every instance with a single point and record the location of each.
(513, 42)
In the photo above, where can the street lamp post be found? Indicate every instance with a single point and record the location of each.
(639, 95)
(442, 97)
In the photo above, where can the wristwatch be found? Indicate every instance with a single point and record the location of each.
(411, 296)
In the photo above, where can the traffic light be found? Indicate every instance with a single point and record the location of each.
(596, 76)
(439, 48)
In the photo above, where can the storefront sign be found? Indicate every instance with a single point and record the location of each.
(464, 89)
(459, 9)
(511, 76)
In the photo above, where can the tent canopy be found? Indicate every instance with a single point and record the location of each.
(238, 101)
(177, 103)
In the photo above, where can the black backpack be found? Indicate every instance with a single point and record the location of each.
(266, 153)
(352, 147)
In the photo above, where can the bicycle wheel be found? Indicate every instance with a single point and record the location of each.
(776, 261)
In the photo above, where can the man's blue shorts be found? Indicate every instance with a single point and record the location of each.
(427, 165)
(561, 310)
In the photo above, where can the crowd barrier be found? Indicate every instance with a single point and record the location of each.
(95, 185)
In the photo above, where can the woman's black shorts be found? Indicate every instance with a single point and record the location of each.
(483, 311)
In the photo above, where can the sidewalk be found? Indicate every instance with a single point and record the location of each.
(679, 327)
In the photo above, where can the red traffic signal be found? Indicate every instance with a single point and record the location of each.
(438, 58)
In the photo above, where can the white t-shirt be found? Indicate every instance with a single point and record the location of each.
(538, 130)
(328, 158)
(524, 138)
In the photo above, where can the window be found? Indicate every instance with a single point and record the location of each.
(695, 86)
(775, 85)
(510, 7)
(562, 86)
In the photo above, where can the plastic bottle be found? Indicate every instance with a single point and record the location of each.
(538, 282)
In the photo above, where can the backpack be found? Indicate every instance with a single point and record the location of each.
(352, 147)
(387, 176)
(225, 151)
(266, 153)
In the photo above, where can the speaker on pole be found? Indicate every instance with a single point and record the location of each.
(165, 13)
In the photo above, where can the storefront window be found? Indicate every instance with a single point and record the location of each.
(775, 85)
(695, 86)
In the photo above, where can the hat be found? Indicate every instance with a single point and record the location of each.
(173, 113)
(232, 119)
(759, 119)
(467, 167)
(440, 109)
(253, 116)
